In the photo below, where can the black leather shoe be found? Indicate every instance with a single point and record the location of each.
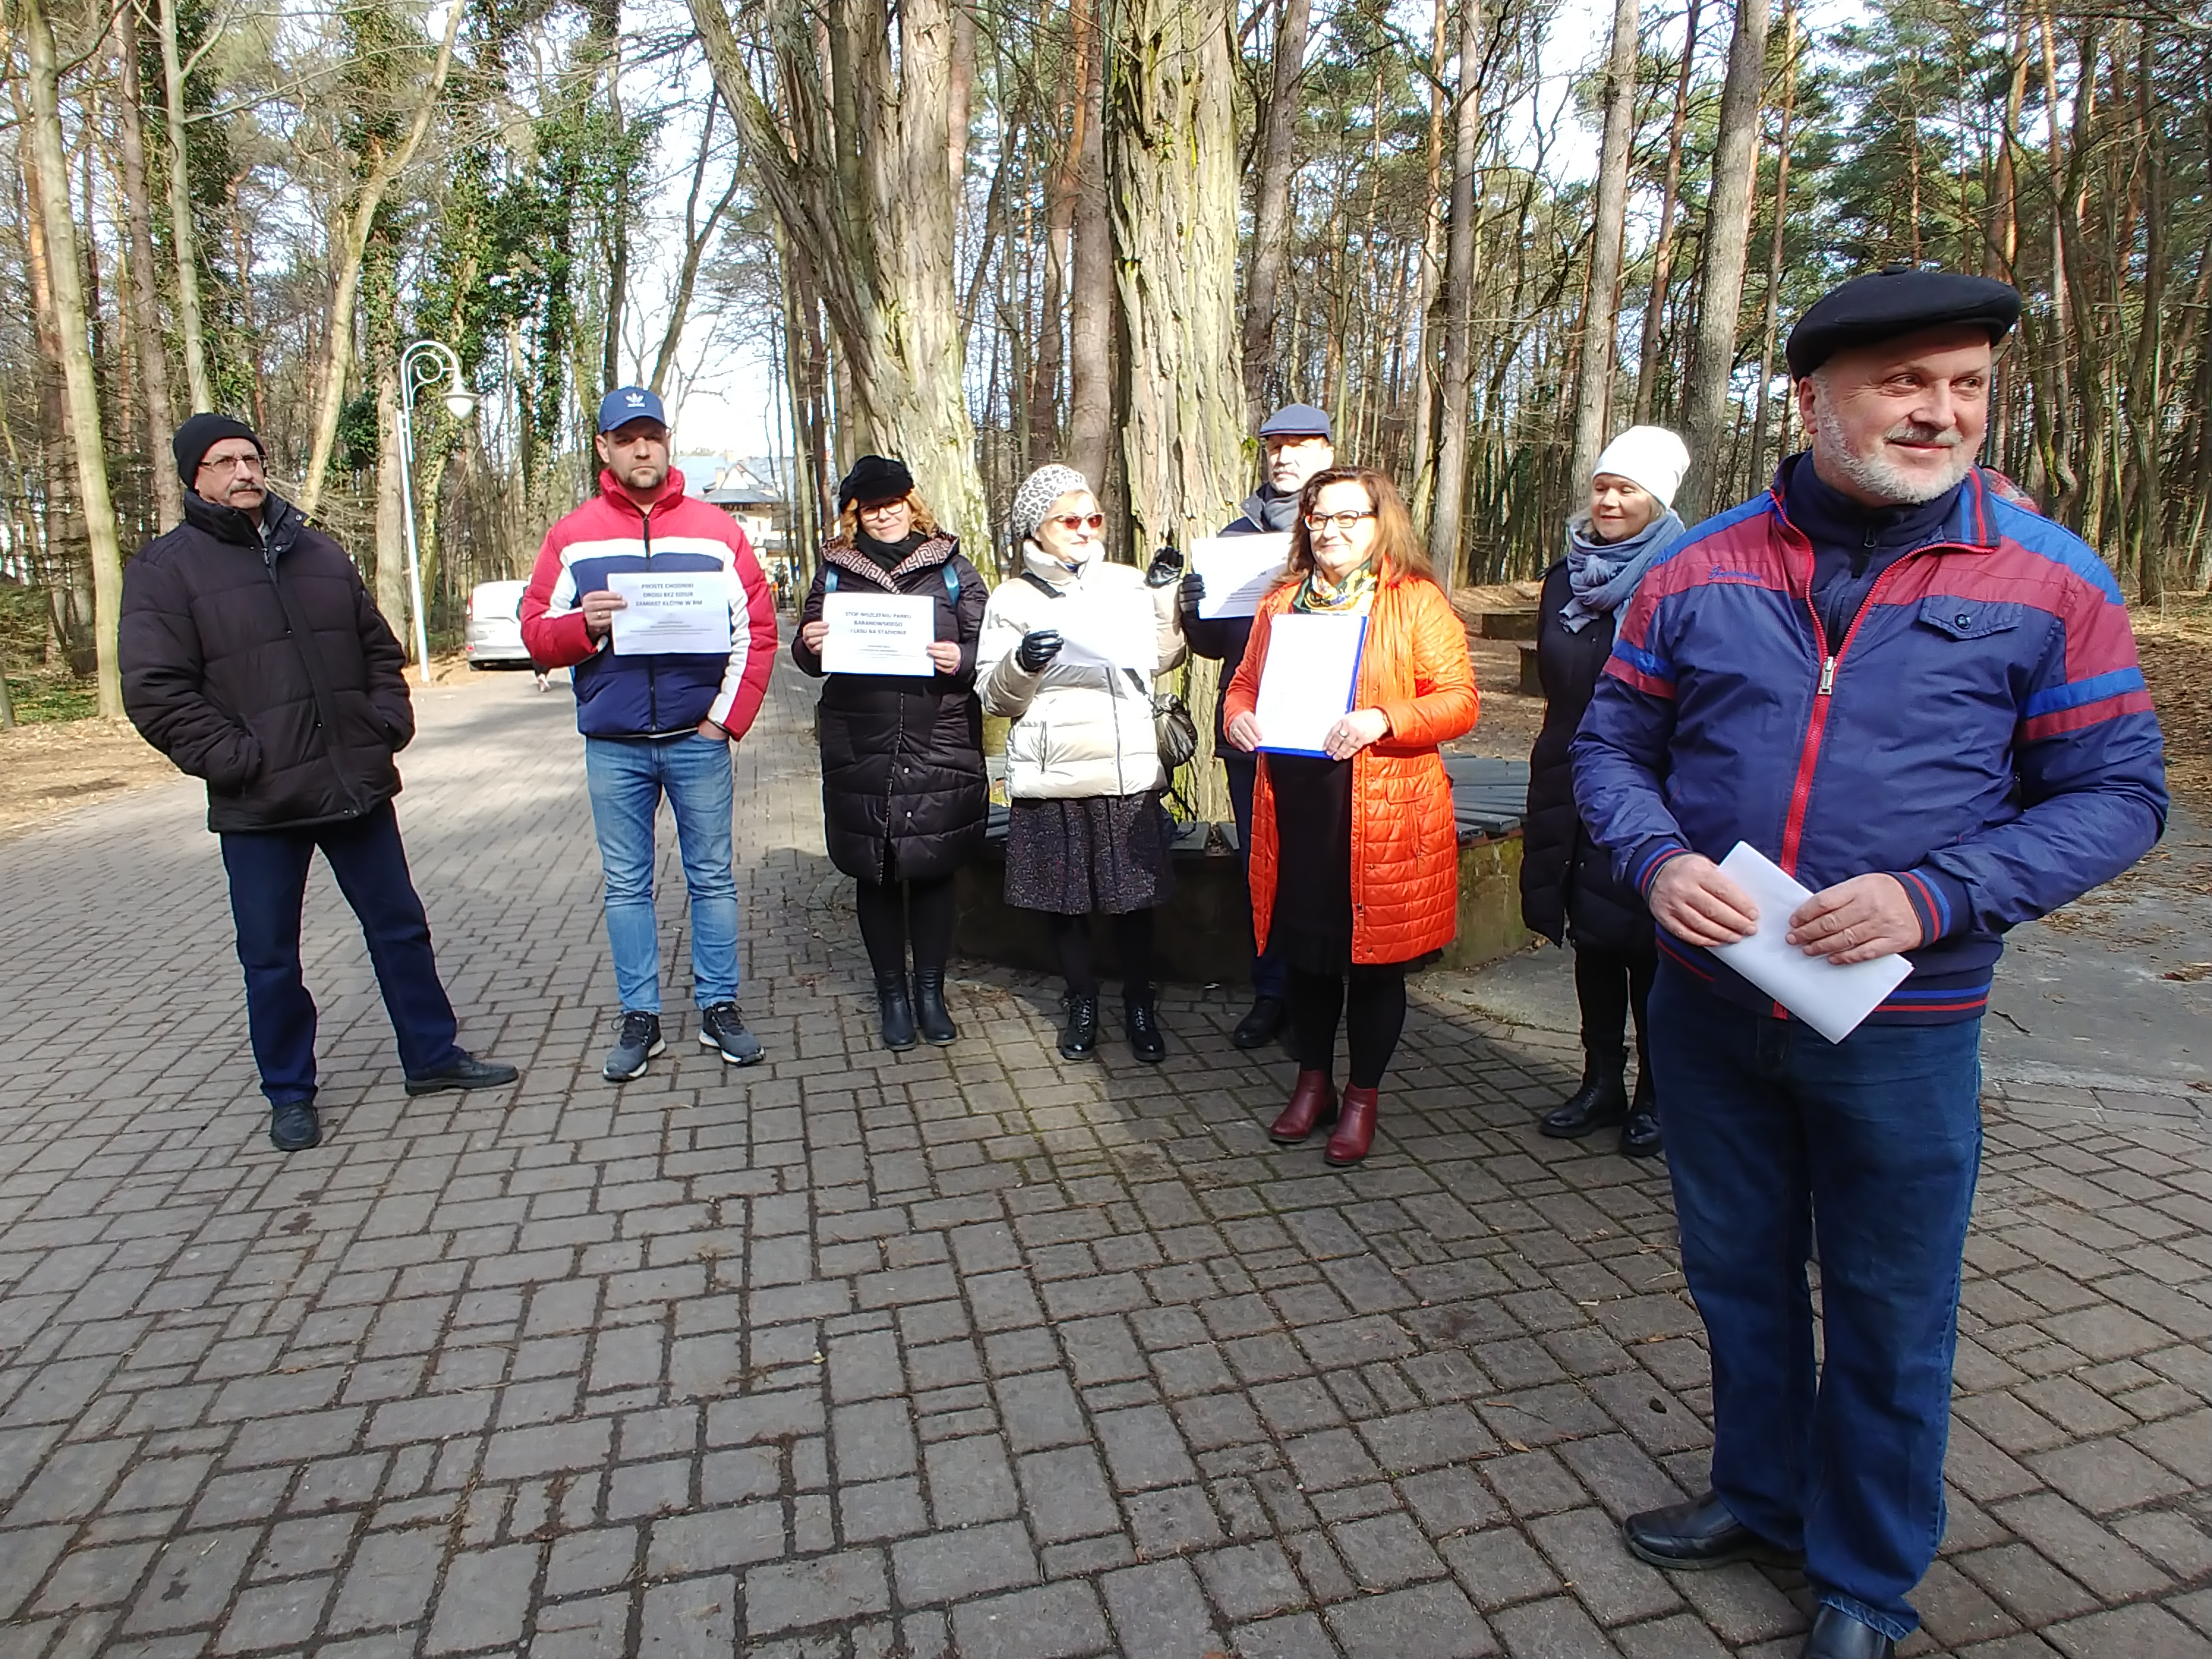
(895, 1013)
(1600, 1102)
(1639, 1134)
(1078, 1039)
(1141, 1018)
(293, 1126)
(929, 1012)
(1698, 1534)
(1261, 1025)
(1836, 1634)
(466, 1072)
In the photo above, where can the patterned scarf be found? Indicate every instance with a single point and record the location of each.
(1354, 595)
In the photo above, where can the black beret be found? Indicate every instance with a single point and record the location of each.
(203, 433)
(1898, 299)
(874, 479)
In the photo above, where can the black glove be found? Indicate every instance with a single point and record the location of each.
(1193, 592)
(1036, 649)
(1166, 566)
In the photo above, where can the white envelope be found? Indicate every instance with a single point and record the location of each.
(1832, 1001)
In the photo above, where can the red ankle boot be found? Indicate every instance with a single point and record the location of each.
(1355, 1127)
(1312, 1103)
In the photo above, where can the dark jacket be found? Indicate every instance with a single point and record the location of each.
(902, 757)
(1223, 638)
(1567, 884)
(263, 667)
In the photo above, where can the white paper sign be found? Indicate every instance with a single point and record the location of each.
(1832, 1001)
(1238, 571)
(1109, 627)
(878, 634)
(1308, 681)
(680, 613)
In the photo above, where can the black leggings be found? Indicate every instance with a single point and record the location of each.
(1376, 1018)
(1610, 985)
(1133, 938)
(884, 908)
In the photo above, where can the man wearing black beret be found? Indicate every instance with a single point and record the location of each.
(1920, 699)
(253, 657)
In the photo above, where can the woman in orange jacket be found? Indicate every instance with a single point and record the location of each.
(1355, 852)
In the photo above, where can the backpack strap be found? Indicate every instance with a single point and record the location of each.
(952, 584)
(829, 580)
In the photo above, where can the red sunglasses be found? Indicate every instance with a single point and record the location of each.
(1073, 521)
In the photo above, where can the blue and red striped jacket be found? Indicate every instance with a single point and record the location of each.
(1983, 731)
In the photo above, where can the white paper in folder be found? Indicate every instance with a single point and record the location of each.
(1832, 1001)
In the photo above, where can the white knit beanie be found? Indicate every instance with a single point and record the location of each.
(1033, 500)
(1649, 456)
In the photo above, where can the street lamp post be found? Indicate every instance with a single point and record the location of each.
(420, 364)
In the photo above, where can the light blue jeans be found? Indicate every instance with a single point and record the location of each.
(627, 777)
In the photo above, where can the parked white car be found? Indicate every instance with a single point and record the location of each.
(495, 625)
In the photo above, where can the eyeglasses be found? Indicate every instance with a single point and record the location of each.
(1072, 522)
(876, 509)
(1317, 522)
(231, 464)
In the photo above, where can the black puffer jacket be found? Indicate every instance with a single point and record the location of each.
(1566, 878)
(902, 758)
(264, 668)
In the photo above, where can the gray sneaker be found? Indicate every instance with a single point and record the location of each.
(723, 1028)
(639, 1040)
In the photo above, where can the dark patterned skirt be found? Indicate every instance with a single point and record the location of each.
(1106, 854)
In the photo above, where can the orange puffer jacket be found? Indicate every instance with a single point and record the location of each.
(1405, 840)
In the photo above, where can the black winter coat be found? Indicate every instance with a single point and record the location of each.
(902, 758)
(1567, 884)
(1223, 638)
(264, 668)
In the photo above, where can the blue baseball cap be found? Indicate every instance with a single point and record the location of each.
(1297, 421)
(626, 404)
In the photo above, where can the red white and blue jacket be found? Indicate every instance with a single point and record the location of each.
(1982, 732)
(645, 696)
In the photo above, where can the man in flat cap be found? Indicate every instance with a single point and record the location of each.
(253, 657)
(1296, 442)
(1921, 701)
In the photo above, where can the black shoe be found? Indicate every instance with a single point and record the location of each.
(1639, 1134)
(466, 1072)
(929, 1012)
(1140, 1017)
(723, 1028)
(896, 1011)
(1261, 1025)
(1836, 1634)
(1698, 1534)
(294, 1127)
(637, 1041)
(1601, 1102)
(1079, 1040)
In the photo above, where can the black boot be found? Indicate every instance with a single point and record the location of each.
(1639, 1135)
(1601, 1102)
(1142, 1017)
(898, 1012)
(937, 1026)
(1079, 1040)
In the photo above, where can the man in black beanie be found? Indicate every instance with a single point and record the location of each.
(253, 657)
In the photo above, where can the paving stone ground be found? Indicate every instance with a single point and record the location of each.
(956, 1352)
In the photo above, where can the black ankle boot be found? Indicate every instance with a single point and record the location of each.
(1079, 1040)
(1142, 1017)
(898, 1012)
(1639, 1134)
(1601, 1102)
(937, 1026)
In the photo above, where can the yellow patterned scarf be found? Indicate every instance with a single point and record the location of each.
(1355, 594)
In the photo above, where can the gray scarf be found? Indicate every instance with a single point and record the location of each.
(1604, 574)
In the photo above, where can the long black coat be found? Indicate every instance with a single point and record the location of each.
(1567, 883)
(264, 668)
(902, 757)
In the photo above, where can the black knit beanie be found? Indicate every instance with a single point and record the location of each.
(203, 433)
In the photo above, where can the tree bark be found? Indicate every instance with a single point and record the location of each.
(1600, 311)
(697, 237)
(1720, 280)
(1451, 502)
(1662, 251)
(80, 387)
(183, 238)
(1422, 349)
(138, 208)
(1090, 311)
(1769, 318)
(1271, 201)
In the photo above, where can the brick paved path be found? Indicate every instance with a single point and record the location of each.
(954, 1351)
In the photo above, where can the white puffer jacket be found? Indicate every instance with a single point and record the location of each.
(1078, 730)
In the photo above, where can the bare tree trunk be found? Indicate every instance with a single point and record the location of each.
(1720, 277)
(1599, 311)
(1090, 312)
(2146, 372)
(80, 387)
(1423, 378)
(391, 517)
(697, 237)
(1271, 201)
(1662, 251)
(1450, 501)
(182, 239)
(1063, 182)
(137, 206)
(1770, 319)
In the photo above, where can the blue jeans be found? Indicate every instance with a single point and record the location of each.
(1269, 977)
(627, 777)
(1775, 1137)
(268, 871)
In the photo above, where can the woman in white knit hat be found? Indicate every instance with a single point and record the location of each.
(1568, 892)
(1086, 831)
